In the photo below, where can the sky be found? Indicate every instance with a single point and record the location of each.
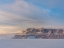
(18, 15)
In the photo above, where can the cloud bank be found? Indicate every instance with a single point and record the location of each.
(21, 14)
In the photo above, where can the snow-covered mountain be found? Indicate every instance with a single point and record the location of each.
(41, 33)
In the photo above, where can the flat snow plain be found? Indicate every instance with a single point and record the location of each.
(31, 43)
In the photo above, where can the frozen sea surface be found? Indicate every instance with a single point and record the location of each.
(29, 43)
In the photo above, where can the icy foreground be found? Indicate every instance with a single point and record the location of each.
(27, 43)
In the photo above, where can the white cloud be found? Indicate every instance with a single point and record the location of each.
(21, 15)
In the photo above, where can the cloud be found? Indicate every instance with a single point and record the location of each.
(48, 3)
(22, 11)
(21, 15)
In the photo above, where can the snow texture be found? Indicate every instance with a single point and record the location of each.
(29, 43)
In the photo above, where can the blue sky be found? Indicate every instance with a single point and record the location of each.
(16, 15)
(6, 1)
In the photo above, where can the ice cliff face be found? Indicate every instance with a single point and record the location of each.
(41, 33)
